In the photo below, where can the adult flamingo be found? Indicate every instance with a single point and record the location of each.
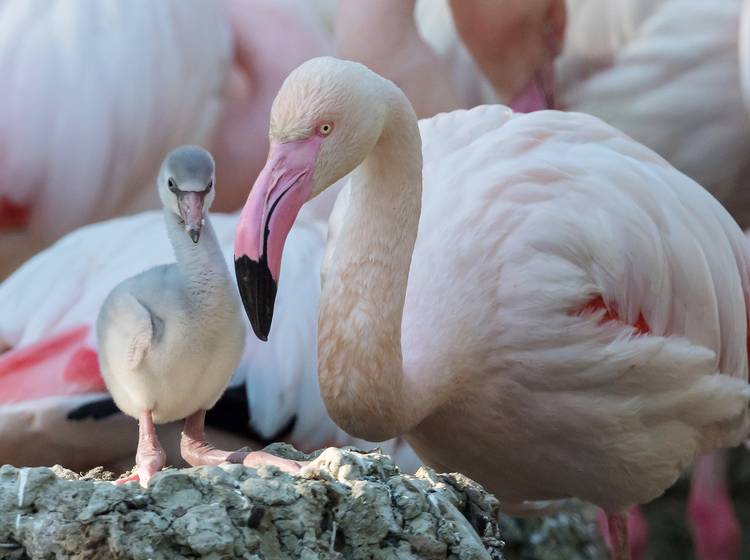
(77, 146)
(559, 313)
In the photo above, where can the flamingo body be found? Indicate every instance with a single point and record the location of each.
(650, 239)
(667, 73)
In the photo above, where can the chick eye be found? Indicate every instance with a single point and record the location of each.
(210, 185)
(172, 185)
(325, 129)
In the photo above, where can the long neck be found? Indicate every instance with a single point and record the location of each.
(359, 337)
(361, 23)
(201, 264)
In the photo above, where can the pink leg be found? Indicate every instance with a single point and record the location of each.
(637, 531)
(618, 536)
(150, 457)
(197, 451)
(716, 531)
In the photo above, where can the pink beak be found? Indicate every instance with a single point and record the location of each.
(283, 186)
(191, 211)
(539, 93)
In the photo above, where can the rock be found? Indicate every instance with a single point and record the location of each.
(346, 504)
(571, 535)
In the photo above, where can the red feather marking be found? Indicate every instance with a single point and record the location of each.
(83, 369)
(42, 350)
(610, 314)
(56, 366)
(12, 215)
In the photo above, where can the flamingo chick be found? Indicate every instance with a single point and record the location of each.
(171, 337)
(545, 305)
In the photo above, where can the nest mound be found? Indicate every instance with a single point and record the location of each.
(346, 504)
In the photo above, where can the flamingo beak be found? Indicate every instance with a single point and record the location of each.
(283, 186)
(190, 204)
(539, 93)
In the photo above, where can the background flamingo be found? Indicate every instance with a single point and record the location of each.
(666, 72)
(386, 37)
(96, 93)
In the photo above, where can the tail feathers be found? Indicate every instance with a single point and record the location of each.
(59, 365)
(716, 406)
(726, 411)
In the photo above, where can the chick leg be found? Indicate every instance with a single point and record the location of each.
(150, 457)
(197, 451)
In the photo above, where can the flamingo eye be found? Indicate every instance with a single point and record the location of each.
(325, 129)
(172, 185)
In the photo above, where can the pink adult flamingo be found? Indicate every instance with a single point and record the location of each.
(545, 304)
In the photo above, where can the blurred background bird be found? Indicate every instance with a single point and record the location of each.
(96, 93)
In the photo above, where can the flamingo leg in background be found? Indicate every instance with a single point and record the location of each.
(150, 457)
(197, 451)
(636, 533)
(618, 535)
(716, 530)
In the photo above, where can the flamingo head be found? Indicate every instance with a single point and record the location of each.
(186, 181)
(326, 118)
(515, 44)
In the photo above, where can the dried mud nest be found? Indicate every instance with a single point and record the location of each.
(346, 504)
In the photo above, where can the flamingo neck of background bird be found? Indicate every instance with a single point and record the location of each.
(360, 363)
(354, 20)
(201, 264)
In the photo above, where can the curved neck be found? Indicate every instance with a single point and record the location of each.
(361, 23)
(359, 331)
(201, 264)
(383, 35)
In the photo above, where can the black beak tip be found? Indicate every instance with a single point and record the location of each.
(257, 291)
(195, 235)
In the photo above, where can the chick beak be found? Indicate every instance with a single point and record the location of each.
(191, 212)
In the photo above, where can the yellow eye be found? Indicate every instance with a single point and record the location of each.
(325, 129)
